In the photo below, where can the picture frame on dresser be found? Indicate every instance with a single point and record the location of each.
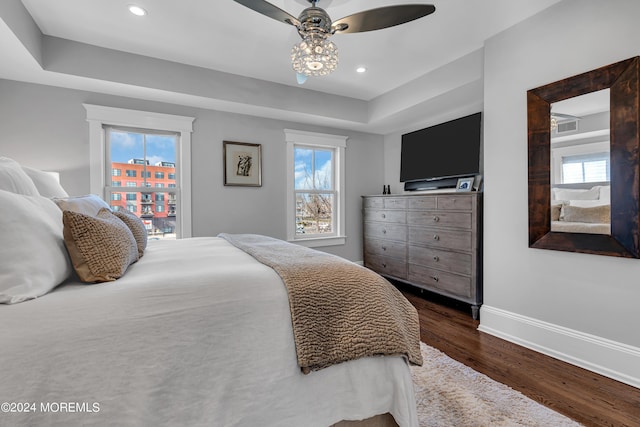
(465, 184)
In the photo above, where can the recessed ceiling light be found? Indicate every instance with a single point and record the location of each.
(137, 10)
(361, 69)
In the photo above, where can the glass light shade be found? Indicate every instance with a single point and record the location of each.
(314, 56)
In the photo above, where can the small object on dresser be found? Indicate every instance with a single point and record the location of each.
(384, 189)
(388, 189)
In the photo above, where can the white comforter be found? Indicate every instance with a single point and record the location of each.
(196, 333)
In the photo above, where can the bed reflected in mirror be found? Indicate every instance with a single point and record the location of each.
(580, 164)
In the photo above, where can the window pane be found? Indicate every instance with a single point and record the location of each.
(571, 173)
(125, 146)
(323, 170)
(595, 171)
(314, 213)
(303, 161)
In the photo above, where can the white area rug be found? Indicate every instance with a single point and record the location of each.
(449, 393)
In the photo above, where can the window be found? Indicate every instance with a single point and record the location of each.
(159, 185)
(116, 172)
(315, 188)
(116, 183)
(143, 142)
(585, 168)
(160, 208)
(159, 175)
(116, 196)
(130, 184)
(132, 196)
(172, 176)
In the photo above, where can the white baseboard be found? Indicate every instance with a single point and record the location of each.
(603, 356)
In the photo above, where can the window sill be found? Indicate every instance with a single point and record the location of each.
(316, 242)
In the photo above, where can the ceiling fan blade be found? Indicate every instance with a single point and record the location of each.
(267, 9)
(383, 17)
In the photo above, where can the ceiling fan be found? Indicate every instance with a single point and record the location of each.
(315, 55)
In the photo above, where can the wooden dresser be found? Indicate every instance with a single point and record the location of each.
(432, 241)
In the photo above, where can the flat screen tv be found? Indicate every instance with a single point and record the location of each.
(434, 156)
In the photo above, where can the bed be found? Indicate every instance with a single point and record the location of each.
(195, 332)
(581, 210)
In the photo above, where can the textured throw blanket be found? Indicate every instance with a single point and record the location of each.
(340, 311)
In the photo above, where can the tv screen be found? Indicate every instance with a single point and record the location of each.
(450, 149)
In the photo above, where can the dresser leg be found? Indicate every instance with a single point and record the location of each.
(475, 311)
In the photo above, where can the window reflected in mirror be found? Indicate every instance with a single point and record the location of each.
(580, 164)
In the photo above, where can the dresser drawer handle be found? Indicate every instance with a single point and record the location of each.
(384, 216)
(384, 248)
(384, 231)
(384, 265)
(435, 278)
(436, 218)
(436, 237)
(436, 258)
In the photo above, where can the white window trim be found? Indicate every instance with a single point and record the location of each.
(339, 142)
(98, 116)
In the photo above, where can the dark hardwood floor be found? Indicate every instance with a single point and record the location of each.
(584, 396)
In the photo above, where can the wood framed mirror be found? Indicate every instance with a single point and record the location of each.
(622, 78)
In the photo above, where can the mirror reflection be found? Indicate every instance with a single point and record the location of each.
(580, 164)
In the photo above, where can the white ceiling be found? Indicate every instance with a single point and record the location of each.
(225, 36)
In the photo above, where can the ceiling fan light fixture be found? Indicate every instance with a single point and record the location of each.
(314, 56)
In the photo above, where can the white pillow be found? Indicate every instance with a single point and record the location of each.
(33, 253)
(588, 203)
(576, 194)
(87, 205)
(14, 179)
(45, 182)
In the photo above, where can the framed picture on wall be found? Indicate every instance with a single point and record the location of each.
(242, 164)
(465, 184)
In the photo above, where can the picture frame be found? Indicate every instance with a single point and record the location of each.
(242, 164)
(465, 184)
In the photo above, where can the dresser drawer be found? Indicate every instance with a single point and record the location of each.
(372, 202)
(441, 238)
(459, 203)
(446, 282)
(439, 259)
(440, 219)
(388, 248)
(419, 202)
(387, 266)
(399, 217)
(385, 231)
(395, 202)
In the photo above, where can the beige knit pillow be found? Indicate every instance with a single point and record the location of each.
(101, 247)
(596, 214)
(137, 228)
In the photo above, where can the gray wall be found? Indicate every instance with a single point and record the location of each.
(45, 127)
